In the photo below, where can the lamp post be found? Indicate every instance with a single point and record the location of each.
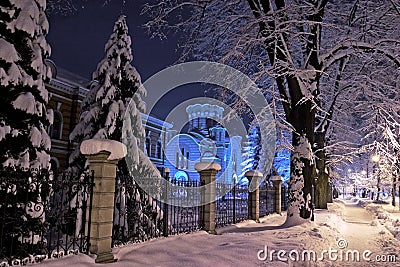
(364, 190)
(349, 173)
(375, 158)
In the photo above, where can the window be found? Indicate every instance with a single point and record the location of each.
(56, 128)
(182, 162)
(159, 149)
(55, 164)
(148, 145)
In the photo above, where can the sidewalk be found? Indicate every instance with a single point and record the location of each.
(240, 244)
(235, 245)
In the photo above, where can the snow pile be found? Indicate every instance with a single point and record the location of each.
(387, 216)
(94, 146)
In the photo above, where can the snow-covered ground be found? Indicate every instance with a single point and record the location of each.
(345, 227)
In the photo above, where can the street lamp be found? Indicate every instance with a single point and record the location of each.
(375, 158)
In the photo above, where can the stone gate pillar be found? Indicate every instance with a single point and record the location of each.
(254, 196)
(103, 156)
(208, 171)
(277, 182)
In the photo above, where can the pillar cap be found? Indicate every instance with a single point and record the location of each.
(204, 166)
(253, 174)
(96, 146)
(276, 178)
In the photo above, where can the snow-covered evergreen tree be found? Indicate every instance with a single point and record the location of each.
(117, 85)
(117, 82)
(251, 150)
(24, 142)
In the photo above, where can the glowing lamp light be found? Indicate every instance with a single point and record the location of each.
(375, 158)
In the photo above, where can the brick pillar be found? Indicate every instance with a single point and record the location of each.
(208, 171)
(277, 182)
(254, 196)
(104, 165)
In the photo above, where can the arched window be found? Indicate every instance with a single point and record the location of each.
(56, 128)
(55, 164)
(148, 145)
(159, 149)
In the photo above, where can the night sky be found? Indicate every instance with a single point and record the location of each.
(78, 40)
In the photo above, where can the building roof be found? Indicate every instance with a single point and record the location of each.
(65, 75)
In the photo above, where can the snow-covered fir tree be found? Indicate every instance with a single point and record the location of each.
(24, 142)
(117, 86)
(251, 150)
(116, 83)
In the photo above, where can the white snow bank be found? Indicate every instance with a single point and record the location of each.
(95, 146)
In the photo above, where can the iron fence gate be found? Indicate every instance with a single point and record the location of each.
(232, 207)
(41, 217)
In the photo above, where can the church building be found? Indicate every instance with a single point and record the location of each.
(205, 140)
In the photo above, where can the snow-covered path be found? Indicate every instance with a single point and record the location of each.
(362, 232)
(239, 245)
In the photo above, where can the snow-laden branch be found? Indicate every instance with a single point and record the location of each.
(348, 47)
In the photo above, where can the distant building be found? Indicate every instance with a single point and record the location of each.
(157, 135)
(204, 135)
(67, 91)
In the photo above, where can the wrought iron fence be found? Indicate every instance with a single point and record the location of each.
(69, 214)
(232, 207)
(182, 214)
(40, 217)
(139, 217)
(267, 199)
(285, 197)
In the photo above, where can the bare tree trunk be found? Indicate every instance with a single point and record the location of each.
(329, 191)
(322, 177)
(393, 188)
(302, 165)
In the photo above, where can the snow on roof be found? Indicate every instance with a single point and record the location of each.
(65, 75)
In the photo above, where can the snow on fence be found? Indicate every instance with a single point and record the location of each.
(40, 217)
